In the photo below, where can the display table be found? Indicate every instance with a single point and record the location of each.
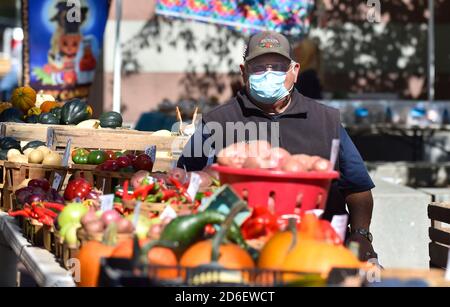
(40, 263)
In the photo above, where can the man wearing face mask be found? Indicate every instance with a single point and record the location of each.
(304, 126)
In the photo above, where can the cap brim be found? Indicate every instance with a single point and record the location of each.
(262, 52)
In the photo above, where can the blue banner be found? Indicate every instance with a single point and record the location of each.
(62, 44)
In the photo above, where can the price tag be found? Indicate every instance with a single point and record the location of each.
(334, 152)
(339, 224)
(137, 212)
(103, 184)
(66, 155)
(50, 137)
(211, 155)
(56, 181)
(151, 151)
(168, 213)
(194, 185)
(107, 202)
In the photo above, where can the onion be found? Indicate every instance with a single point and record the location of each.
(94, 227)
(137, 178)
(23, 194)
(110, 216)
(36, 198)
(178, 174)
(89, 217)
(205, 179)
(125, 226)
(155, 231)
(39, 183)
(259, 149)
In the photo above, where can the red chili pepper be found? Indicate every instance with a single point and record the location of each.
(210, 230)
(23, 213)
(77, 188)
(125, 195)
(143, 191)
(40, 211)
(120, 209)
(166, 194)
(46, 220)
(176, 183)
(56, 206)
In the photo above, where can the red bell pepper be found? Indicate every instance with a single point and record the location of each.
(78, 188)
(261, 223)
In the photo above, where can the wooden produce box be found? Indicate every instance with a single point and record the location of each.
(16, 173)
(104, 138)
(439, 232)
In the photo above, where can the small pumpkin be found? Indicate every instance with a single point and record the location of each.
(158, 255)
(24, 98)
(48, 118)
(74, 112)
(4, 106)
(47, 106)
(3, 155)
(34, 111)
(300, 251)
(89, 256)
(232, 256)
(42, 97)
(111, 120)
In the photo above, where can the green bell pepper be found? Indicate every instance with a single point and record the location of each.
(96, 157)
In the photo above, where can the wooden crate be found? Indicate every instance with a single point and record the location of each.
(16, 173)
(439, 232)
(64, 252)
(34, 232)
(105, 138)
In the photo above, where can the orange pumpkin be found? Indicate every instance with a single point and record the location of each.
(161, 256)
(231, 256)
(309, 254)
(89, 256)
(4, 106)
(23, 98)
(47, 106)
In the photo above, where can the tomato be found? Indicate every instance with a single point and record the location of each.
(97, 157)
(143, 162)
(110, 155)
(79, 152)
(123, 161)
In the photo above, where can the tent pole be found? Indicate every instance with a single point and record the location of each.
(117, 60)
(431, 52)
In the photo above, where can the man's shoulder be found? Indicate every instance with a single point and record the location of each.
(228, 108)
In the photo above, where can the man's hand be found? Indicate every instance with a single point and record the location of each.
(366, 250)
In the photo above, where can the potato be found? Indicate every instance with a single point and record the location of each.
(293, 164)
(45, 150)
(36, 156)
(278, 157)
(321, 165)
(258, 149)
(233, 155)
(13, 152)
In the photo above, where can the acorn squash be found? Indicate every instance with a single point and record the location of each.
(49, 119)
(33, 119)
(57, 111)
(3, 155)
(33, 144)
(8, 143)
(74, 112)
(111, 120)
(11, 115)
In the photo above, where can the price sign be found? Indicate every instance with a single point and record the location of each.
(137, 212)
(50, 137)
(151, 152)
(56, 181)
(107, 202)
(334, 152)
(194, 185)
(168, 213)
(66, 155)
(339, 224)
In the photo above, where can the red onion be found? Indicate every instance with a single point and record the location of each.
(110, 216)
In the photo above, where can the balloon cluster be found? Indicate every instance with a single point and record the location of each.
(288, 16)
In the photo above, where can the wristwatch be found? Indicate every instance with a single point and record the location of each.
(364, 232)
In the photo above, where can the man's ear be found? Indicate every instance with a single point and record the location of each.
(243, 72)
(296, 70)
